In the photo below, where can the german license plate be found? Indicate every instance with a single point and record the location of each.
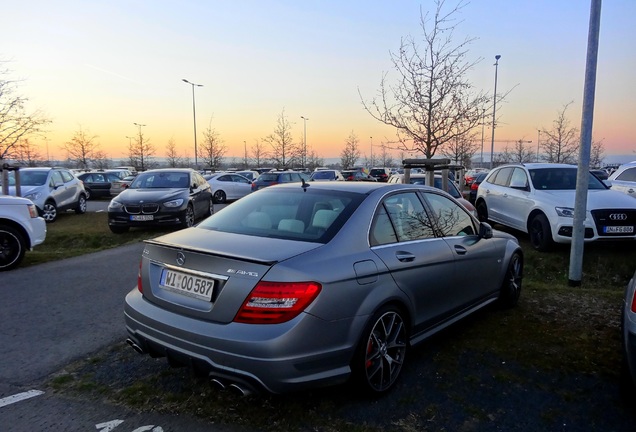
(187, 284)
(142, 217)
(618, 229)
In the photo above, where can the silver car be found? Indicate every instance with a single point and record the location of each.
(628, 325)
(313, 284)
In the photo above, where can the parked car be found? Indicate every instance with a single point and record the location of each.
(118, 186)
(121, 172)
(420, 179)
(161, 197)
(624, 179)
(272, 178)
(97, 184)
(357, 175)
(52, 190)
(538, 199)
(380, 174)
(628, 328)
(471, 175)
(326, 175)
(600, 173)
(304, 285)
(228, 186)
(474, 186)
(21, 229)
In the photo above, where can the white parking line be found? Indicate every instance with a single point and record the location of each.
(19, 397)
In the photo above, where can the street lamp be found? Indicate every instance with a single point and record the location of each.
(194, 115)
(538, 141)
(483, 124)
(371, 157)
(494, 112)
(304, 140)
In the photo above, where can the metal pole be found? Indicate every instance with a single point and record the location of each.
(483, 124)
(494, 112)
(587, 119)
(304, 158)
(194, 116)
(538, 141)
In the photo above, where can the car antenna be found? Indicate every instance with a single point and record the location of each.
(304, 184)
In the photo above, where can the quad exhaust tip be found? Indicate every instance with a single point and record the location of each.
(233, 387)
(134, 346)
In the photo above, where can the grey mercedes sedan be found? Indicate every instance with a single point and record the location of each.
(315, 284)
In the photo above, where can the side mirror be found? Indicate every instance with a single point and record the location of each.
(485, 230)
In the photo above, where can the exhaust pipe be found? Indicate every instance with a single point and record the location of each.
(217, 383)
(134, 346)
(240, 390)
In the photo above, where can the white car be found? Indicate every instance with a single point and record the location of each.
(20, 229)
(228, 186)
(52, 190)
(538, 199)
(624, 179)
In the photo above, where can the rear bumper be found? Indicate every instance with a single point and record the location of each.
(278, 358)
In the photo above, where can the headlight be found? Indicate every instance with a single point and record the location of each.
(114, 205)
(174, 203)
(33, 196)
(565, 211)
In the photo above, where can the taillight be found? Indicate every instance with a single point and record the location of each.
(634, 301)
(474, 186)
(139, 287)
(277, 302)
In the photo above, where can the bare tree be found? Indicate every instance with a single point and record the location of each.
(259, 153)
(520, 153)
(81, 149)
(140, 152)
(461, 149)
(351, 151)
(16, 123)
(561, 143)
(212, 149)
(314, 161)
(284, 149)
(101, 160)
(172, 157)
(597, 154)
(27, 153)
(432, 102)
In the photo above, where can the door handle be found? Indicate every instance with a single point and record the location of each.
(404, 256)
(460, 250)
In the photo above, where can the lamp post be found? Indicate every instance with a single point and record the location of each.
(194, 116)
(494, 112)
(538, 141)
(304, 140)
(245, 152)
(371, 157)
(140, 149)
(483, 124)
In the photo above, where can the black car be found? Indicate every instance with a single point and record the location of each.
(161, 197)
(357, 175)
(97, 184)
(474, 185)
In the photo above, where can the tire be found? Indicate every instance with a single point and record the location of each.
(188, 217)
(118, 229)
(511, 285)
(482, 211)
(12, 247)
(219, 197)
(381, 351)
(81, 204)
(49, 211)
(88, 194)
(540, 233)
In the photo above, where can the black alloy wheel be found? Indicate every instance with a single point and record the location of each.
(482, 211)
(188, 217)
(219, 197)
(540, 233)
(12, 247)
(511, 285)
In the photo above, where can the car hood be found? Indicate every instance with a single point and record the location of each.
(150, 195)
(265, 250)
(25, 190)
(596, 199)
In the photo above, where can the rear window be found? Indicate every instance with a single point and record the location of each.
(294, 214)
(268, 177)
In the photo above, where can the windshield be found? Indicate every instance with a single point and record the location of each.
(29, 178)
(561, 179)
(294, 214)
(164, 179)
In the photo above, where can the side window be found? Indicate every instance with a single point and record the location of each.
(502, 176)
(408, 217)
(451, 217)
(66, 176)
(519, 178)
(382, 231)
(56, 178)
(627, 175)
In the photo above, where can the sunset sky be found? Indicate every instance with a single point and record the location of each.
(104, 65)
